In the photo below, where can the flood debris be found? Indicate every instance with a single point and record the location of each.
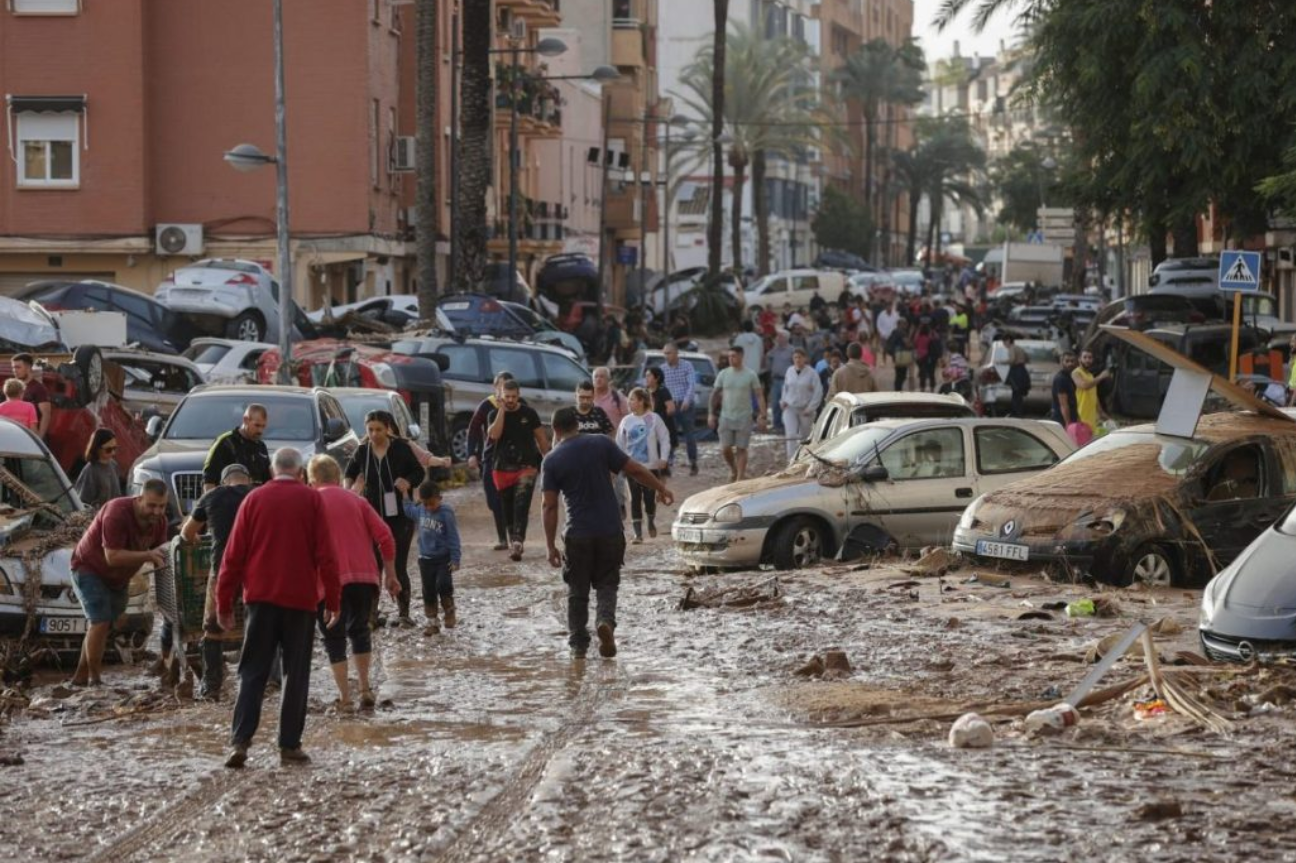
(765, 593)
(990, 579)
(971, 731)
(1159, 810)
(834, 664)
(934, 561)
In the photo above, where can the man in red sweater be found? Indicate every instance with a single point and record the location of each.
(281, 555)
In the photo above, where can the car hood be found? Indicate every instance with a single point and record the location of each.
(1259, 584)
(55, 567)
(170, 456)
(737, 492)
(22, 326)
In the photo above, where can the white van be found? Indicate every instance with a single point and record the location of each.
(796, 287)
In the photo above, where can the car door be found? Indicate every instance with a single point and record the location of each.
(469, 378)
(1005, 454)
(929, 483)
(561, 377)
(827, 424)
(1229, 515)
(802, 289)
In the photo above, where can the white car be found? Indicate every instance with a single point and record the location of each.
(847, 410)
(226, 361)
(155, 383)
(401, 304)
(891, 483)
(226, 297)
(795, 288)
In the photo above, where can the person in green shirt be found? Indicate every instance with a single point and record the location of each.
(731, 411)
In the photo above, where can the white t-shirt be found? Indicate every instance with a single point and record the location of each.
(886, 323)
(753, 350)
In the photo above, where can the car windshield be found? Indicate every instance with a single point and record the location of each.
(357, 406)
(1176, 456)
(203, 417)
(852, 447)
(39, 477)
(1043, 354)
(208, 354)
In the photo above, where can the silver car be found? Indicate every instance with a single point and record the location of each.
(891, 483)
(226, 297)
(226, 361)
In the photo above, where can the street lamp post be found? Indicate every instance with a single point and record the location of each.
(248, 157)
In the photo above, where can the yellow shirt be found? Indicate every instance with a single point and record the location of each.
(1086, 399)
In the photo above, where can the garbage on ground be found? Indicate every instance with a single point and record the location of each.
(1056, 718)
(970, 731)
(989, 579)
(1081, 608)
(1159, 810)
(934, 561)
(741, 596)
(833, 665)
(1154, 709)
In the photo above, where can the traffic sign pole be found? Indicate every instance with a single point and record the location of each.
(1237, 326)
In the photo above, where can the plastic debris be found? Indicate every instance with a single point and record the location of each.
(1081, 608)
(1154, 709)
(1055, 718)
(970, 731)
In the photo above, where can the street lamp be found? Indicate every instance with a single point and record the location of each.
(248, 157)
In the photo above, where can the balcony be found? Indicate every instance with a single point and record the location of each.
(539, 13)
(541, 222)
(628, 48)
(539, 102)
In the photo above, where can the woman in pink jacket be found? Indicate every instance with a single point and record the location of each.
(355, 528)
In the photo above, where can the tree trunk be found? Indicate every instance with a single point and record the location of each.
(1080, 253)
(427, 129)
(715, 230)
(883, 228)
(760, 206)
(933, 223)
(915, 198)
(735, 213)
(475, 144)
(1184, 231)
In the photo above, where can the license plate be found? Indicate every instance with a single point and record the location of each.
(1005, 550)
(688, 534)
(63, 625)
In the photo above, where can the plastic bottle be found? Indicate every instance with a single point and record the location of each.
(1056, 718)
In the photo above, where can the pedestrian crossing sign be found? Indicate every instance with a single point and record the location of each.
(1239, 271)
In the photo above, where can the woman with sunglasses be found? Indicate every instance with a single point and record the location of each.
(99, 481)
(384, 471)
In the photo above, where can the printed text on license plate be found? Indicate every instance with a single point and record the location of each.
(689, 534)
(1005, 550)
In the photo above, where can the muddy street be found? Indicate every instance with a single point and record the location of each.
(698, 742)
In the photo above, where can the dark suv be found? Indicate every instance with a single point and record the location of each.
(310, 419)
(149, 324)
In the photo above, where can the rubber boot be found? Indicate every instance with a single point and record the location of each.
(213, 669)
(433, 626)
(448, 606)
(501, 531)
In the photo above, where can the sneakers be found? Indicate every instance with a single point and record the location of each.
(448, 606)
(693, 470)
(293, 757)
(607, 642)
(237, 757)
(515, 551)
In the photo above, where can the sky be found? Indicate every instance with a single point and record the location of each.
(939, 45)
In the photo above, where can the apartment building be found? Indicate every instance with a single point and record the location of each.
(118, 115)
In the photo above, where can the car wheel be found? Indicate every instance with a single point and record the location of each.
(797, 543)
(1152, 566)
(89, 362)
(247, 327)
(459, 438)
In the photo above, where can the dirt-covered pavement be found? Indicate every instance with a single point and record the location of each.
(700, 741)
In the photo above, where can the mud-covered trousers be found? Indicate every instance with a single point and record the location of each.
(267, 630)
(515, 500)
(493, 497)
(591, 563)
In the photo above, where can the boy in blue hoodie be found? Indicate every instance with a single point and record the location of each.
(439, 551)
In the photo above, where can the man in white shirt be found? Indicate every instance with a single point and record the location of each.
(886, 323)
(801, 394)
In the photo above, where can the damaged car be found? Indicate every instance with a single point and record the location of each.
(897, 483)
(41, 519)
(1136, 505)
(1248, 611)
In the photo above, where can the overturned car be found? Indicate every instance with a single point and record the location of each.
(41, 520)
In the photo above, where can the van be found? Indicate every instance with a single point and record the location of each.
(795, 288)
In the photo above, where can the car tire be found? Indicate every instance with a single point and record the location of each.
(1152, 565)
(247, 327)
(89, 362)
(459, 437)
(799, 542)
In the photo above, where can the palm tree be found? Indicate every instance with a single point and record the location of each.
(941, 166)
(427, 129)
(715, 227)
(474, 143)
(878, 75)
(769, 109)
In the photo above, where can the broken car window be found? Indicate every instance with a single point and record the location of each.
(1175, 456)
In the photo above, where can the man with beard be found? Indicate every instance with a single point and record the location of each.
(242, 445)
(1086, 385)
(126, 533)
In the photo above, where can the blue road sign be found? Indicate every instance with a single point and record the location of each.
(1239, 271)
(628, 255)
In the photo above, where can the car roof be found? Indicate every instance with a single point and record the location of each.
(15, 439)
(901, 423)
(140, 353)
(254, 390)
(894, 398)
(229, 343)
(1223, 426)
(489, 341)
(362, 391)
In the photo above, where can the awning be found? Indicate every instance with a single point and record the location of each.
(46, 104)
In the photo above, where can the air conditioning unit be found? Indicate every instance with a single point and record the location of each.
(179, 239)
(403, 155)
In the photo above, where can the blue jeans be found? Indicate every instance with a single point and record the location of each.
(101, 603)
(684, 423)
(776, 395)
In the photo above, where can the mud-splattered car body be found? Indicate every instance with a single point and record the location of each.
(40, 521)
(891, 483)
(1249, 610)
(1139, 505)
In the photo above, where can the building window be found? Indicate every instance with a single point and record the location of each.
(47, 151)
(45, 7)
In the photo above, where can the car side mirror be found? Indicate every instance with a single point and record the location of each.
(415, 431)
(334, 428)
(442, 361)
(874, 473)
(154, 427)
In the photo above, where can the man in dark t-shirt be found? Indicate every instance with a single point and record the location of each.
(590, 418)
(242, 445)
(516, 441)
(34, 391)
(580, 467)
(215, 512)
(1064, 393)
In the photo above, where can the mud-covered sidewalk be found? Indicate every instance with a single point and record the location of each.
(700, 741)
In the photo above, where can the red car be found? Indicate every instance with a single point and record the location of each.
(338, 363)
